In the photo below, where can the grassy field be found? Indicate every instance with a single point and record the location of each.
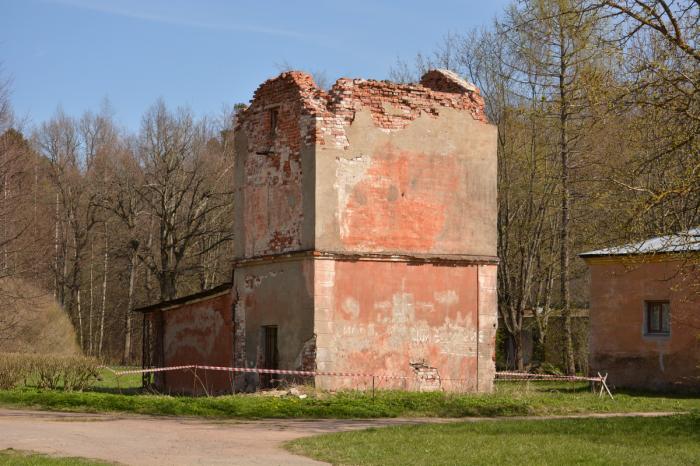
(22, 458)
(125, 384)
(621, 441)
(509, 399)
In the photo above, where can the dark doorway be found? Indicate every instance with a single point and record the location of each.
(270, 356)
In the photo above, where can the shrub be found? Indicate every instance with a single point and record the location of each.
(12, 370)
(79, 373)
(72, 373)
(34, 322)
(48, 370)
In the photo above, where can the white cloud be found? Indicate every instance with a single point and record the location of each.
(121, 9)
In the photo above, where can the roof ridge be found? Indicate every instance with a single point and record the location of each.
(683, 241)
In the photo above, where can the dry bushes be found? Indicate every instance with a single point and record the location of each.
(71, 373)
(13, 369)
(32, 322)
(37, 342)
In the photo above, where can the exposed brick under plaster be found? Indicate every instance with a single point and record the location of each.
(324, 115)
(305, 115)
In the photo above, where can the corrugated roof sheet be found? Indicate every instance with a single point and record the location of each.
(688, 241)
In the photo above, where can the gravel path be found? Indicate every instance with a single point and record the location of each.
(143, 440)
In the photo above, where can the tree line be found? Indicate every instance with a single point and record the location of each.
(598, 111)
(106, 219)
(597, 104)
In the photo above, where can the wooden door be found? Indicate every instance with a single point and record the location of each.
(270, 355)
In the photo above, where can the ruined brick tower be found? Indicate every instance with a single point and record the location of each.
(366, 230)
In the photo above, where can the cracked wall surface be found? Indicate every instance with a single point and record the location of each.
(280, 294)
(365, 231)
(201, 333)
(366, 223)
(274, 170)
(424, 313)
(419, 190)
(412, 164)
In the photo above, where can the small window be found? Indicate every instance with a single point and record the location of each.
(273, 122)
(658, 318)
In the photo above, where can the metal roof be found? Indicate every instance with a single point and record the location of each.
(688, 241)
(164, 305)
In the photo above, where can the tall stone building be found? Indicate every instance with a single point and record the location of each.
(365, 234)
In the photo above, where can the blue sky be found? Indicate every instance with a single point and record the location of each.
(205, 54)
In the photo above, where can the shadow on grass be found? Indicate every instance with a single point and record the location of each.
(119, 391)
(541, 386)
(675, 395)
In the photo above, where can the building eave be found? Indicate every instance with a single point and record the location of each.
(189, 299)
(639, 258)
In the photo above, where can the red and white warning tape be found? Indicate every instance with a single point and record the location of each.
(601, 379)
(254, 370)
(504, 375)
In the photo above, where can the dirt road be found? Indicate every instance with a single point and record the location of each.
(142, 440)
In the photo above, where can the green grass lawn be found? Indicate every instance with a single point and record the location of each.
(633, 441)
(110, 383)
(23, 458)
(509, 399)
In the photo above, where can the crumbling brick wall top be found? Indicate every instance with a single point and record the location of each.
(447, 81)
(392, 105)
(290, 114)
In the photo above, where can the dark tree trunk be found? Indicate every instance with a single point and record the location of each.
(127, 356)
(565, 206)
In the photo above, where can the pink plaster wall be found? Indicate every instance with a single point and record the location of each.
(379, 317)
(618, 344)
(199, 333)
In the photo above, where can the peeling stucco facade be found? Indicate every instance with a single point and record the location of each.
(384, 316)
(619, 343)
(196, 331)
(367, 219)
(365, 230)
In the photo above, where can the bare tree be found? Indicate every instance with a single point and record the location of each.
(125, 203)
(12, 148)
(5, 106)
(527, 226)
(102, 143)
(10, 153)
(557, 41)
(71, 155)
(185, 192)
(448, 54)
(659, 101)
